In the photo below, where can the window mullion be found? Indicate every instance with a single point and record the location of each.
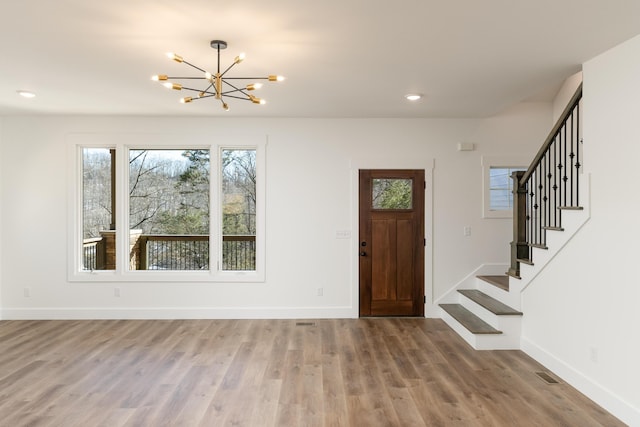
(122, 208)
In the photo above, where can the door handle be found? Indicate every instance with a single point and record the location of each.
(363, 253)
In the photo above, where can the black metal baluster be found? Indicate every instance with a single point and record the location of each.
(578, 142)
(555, 179)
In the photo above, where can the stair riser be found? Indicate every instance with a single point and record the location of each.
(482, 341)
(512, 299)
(460, 330)
(504, 323)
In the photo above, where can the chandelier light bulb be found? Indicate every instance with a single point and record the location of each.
(175, 57)
(413, 96)
(175, 86)
(159, 77)
(239, 58)
(254, 86)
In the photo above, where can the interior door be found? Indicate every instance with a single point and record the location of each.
(391, 247)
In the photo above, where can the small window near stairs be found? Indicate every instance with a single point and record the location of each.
(498, 185)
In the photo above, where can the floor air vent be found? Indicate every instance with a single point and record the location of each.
(547, 378)
(305, 324)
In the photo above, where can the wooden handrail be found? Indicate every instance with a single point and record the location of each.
(554, 131)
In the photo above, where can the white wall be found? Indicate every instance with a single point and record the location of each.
(1, 204)
(562, 98)
(309, 197)
(581, 313)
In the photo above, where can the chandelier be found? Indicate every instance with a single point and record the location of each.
(216, 85)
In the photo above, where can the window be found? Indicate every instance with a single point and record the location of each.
(238, 210)
(501, 188)
(98, 220)
(392, 193)
(498, 186)
(165, 213)
(169, 209)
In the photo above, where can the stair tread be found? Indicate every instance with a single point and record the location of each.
(490, 303)
(571, 208)
(500, 281)
(473, 323)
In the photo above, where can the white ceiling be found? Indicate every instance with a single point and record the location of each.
(342, 58)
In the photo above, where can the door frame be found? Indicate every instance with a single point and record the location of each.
(427, 164)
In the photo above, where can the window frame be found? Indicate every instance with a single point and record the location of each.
(122, 144)
(489, 162)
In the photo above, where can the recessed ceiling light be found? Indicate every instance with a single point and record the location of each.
(26, 93)
(413, 96)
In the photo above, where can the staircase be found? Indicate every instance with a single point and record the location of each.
(549, 200)
(479, 316)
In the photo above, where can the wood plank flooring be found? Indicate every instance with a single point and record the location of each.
(338, 372)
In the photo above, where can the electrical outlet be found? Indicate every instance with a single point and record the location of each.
(593, 354)
(320, 292)
(343, 234)
(116, 292)
(467, 231)
(27, 292)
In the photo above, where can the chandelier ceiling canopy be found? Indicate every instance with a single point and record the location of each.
(216, 85)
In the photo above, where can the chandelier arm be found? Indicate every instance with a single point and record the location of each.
(237, 97)
(228, 68)
(196, 90)
(246, 78)
(235, 89)
(206, 90)
(185, 78)
(194, 66)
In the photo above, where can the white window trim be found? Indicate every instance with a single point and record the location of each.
(497, 162)
(122, 143)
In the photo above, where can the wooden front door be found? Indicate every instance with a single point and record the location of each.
(391, 246)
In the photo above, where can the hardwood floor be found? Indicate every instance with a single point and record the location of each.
(339, 372)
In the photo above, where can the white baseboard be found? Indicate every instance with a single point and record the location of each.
(179, 313)
(617, 406)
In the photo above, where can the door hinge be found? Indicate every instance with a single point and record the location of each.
(425, 185)
(425, 242)
(425, 299)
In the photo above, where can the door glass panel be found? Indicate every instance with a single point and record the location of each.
(392, 193)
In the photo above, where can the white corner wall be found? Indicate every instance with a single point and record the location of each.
(581, 313)
(1, 203)
(309, 197)
(562, 98)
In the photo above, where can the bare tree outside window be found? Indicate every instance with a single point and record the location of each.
(239, 209)
(169, 209)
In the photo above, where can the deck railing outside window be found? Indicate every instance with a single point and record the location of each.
(176, 252)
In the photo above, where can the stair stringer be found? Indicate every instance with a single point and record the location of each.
(572, 222)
